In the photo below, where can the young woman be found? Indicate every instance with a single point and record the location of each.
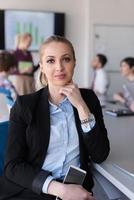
(58, 126)
(24, 60)
(127, 96)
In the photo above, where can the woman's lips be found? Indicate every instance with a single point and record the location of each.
(60, 76)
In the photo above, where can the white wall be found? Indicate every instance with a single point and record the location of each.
(81, 15)
(110, 12)
(76, 26)
(114, 12)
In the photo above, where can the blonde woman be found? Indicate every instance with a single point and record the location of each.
(23, 56)
(58, 126)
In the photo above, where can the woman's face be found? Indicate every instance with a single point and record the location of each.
(57, 63)
(27, 42)
(96, 63)
(125, 69)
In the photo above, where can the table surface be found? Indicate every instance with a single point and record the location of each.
(119, 166)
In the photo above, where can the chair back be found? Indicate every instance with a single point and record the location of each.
(3, 141)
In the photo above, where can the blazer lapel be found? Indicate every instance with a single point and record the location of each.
(81, 141)
(43, 121)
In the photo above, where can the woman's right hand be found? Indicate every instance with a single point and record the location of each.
(76, 192)
(69, 191)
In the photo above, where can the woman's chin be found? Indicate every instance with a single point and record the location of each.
(62, 83)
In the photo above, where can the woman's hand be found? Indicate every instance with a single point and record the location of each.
(69, 191)
(74, 96)
(76, 192)
(119, 97)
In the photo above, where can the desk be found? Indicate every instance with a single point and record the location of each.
(121, 135)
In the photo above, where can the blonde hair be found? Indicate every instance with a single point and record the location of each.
(21, 38)
(55, 38)
(17, 40)
(25, 36)
(40, 80)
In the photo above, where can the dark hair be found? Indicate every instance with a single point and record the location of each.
(7, 61)
(129, 61)
(102, 59)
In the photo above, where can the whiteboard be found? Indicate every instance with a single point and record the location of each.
(115, 41)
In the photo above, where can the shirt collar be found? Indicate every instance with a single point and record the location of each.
(54, 107)
(99, 70)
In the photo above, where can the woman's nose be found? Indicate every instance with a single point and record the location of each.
(59, 66)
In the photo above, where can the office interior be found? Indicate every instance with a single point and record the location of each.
(82, 21)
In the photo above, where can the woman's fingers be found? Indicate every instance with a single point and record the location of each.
(76, 192)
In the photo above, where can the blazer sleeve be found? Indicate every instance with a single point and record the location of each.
(96, 140)
(17, 168)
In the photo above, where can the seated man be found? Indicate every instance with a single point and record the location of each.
(100, 81)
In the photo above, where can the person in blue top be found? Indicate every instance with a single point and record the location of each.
(58, 126)
(7, 62)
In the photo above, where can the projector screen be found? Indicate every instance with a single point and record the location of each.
(39, 24)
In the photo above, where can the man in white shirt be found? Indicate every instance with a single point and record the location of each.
(100, 81)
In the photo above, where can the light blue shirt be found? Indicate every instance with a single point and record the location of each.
(63, 149)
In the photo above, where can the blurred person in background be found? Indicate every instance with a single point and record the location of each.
(100, 82)
(126, 96)
(7, 62)
(23, 75)
(23, 57)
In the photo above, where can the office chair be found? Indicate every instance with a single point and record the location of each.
(3, 141)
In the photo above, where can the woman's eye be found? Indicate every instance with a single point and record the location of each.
(67, 59)
(50, 61)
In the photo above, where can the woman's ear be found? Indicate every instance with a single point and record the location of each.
(42, 75)
(41, 67)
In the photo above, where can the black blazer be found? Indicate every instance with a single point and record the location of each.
(29, 132)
